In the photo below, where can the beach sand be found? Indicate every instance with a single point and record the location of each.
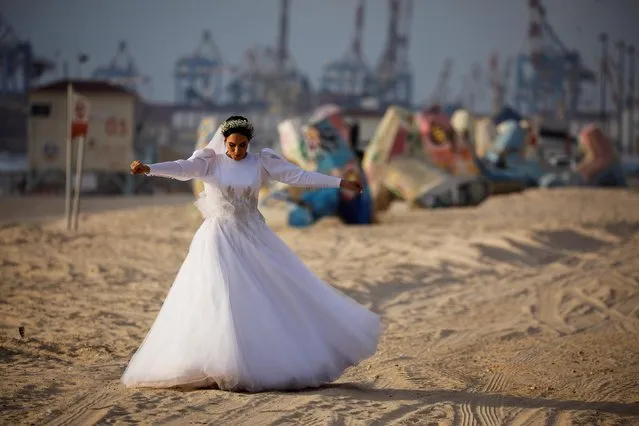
(524, 310)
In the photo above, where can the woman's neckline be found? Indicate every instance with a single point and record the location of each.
(226, 155)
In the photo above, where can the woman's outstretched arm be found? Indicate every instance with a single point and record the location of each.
(198, 165)
(287, 172)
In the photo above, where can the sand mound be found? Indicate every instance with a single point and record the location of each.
(524, 310)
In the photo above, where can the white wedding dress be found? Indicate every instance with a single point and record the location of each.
(244, 313)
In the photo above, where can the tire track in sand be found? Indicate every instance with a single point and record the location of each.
(488, 414)
(87, 409)
(464, 415)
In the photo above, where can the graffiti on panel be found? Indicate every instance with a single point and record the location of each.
(444, 147)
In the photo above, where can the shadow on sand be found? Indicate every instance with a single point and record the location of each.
(359, 392)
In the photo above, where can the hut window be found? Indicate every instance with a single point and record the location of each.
(40, 110)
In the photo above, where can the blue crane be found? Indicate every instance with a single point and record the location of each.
(550, 76)
(348, 80)
(199, 75)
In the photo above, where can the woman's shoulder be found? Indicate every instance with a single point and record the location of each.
(205, 153)
(266, 153)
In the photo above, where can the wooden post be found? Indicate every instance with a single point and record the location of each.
(78, 182)
(69, 157)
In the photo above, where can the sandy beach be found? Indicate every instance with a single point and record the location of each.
(522, 311)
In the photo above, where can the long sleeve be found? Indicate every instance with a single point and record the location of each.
(198, 165)
(286, 172)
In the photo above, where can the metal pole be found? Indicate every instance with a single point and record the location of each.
(69, 157)
(602, 97)
(620, 109)
(78, 182)
(632, 145)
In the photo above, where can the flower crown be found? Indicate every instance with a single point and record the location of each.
(238, 124)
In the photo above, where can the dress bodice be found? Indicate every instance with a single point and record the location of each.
(231, 190)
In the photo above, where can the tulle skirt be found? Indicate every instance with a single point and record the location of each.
(244, 313)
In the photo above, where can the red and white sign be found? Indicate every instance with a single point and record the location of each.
(80, 117)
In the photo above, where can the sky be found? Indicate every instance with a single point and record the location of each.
(160, 31)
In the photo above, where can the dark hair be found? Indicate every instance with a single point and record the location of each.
(237, 124)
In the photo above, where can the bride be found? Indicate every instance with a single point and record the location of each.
(244, 313)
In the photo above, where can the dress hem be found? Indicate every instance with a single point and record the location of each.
(227, 384)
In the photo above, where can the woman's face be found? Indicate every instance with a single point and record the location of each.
(236, 146)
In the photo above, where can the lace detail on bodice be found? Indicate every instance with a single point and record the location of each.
(229, 203)
(244, 202)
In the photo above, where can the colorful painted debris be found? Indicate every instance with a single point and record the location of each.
(396, 135)
(426, 168)
(333, 155)
(321, 146)
(463, 123)
(444, 146)
(484, 136)
(293, 144)
(600, 165)
(508, 163)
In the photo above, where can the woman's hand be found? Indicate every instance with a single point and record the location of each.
(139, 168)
(351, 185)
